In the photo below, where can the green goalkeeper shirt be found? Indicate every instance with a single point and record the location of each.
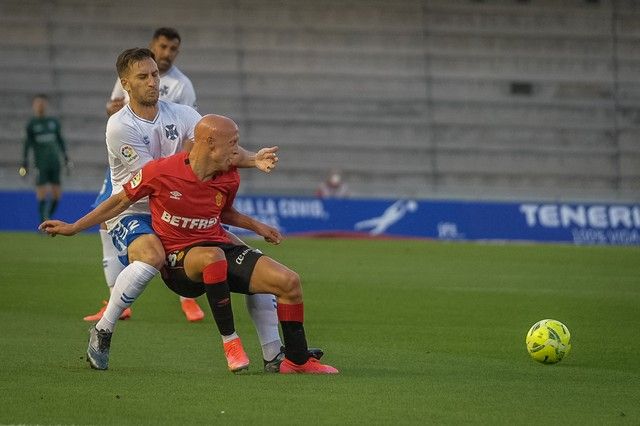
(44, 137)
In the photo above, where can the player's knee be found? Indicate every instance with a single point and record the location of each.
(290, 285)
(153, 258)
(212, 255)
(147, 251)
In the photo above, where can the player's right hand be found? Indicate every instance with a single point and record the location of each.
(22, 171)
(114, 105)
(267, 159)
(269, 233)
(56, 227)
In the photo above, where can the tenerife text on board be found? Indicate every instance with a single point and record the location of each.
(582, 216)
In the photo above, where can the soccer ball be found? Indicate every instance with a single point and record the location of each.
(548, 341)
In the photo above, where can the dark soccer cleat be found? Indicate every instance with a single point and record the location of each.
(315, 353)
(98, 349)
(273, 366)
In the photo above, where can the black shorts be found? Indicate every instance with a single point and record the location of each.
(241, 261)
(48, 173)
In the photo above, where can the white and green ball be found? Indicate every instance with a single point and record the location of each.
(548, 341)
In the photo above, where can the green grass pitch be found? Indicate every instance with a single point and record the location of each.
(423, 333)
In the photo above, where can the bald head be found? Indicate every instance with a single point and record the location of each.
(215, 128)
(215, 143)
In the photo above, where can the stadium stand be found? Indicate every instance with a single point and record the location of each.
(488, 99)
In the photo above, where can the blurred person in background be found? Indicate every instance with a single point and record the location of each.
(333, 186)
(44, 137)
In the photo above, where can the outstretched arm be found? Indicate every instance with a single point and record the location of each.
(108, 209)
(266, 159)
(233, 217)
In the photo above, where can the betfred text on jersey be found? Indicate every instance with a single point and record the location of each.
(189, 222)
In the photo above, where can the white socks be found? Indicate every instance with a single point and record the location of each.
(262, 308)
(110, 262)
(227, 339)
(129, 285)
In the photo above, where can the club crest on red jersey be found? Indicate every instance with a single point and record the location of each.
(135, 181)
(219, 199)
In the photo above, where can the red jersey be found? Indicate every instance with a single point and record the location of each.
(184, 209)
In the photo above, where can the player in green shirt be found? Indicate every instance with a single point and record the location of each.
(44, 137)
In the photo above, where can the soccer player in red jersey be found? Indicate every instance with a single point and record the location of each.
(190, 194)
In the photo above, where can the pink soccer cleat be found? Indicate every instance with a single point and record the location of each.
(237, 359)
(312, 366)
(191, 310)
(126, 314)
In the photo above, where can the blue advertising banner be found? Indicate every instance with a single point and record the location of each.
(21, 209)
(609, 224)
(617, 224)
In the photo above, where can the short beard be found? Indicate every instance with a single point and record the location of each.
(149, 103)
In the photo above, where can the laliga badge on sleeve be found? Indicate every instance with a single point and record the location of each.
(129, 154)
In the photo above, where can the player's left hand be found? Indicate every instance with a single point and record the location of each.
(270, 234)
(267, 159)
(55, 227)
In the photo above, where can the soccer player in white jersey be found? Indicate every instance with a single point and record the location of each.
(174, 87)
(149, 128)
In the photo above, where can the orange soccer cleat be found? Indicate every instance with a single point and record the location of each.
(126, 314)
(191, 310)
(237, 359)
(312, 366)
